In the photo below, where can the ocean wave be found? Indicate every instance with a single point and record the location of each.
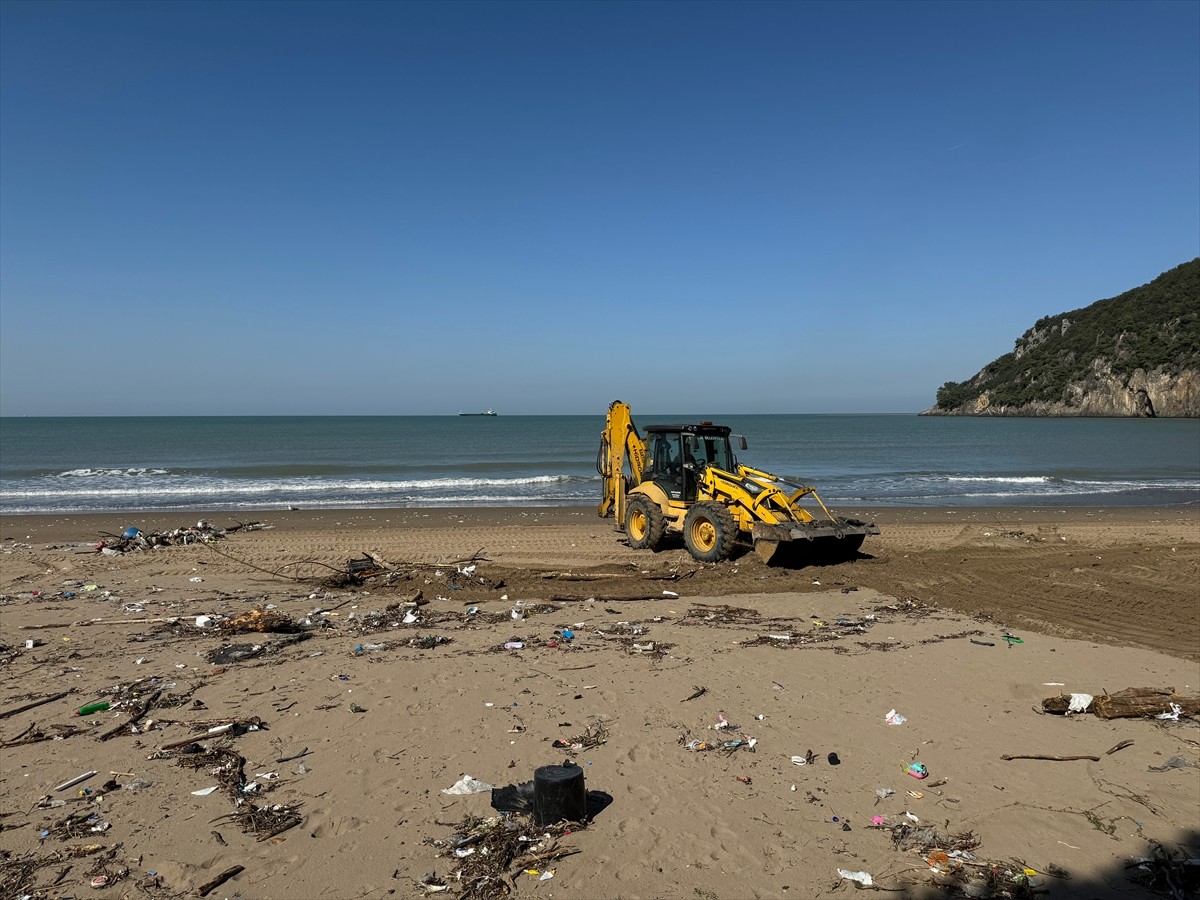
(112, 473)
(1002, 479)
(185, 486)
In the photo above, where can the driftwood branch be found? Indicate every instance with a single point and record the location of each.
(1051, 758)
(34, 705)
(210, 886)
(1131, 703)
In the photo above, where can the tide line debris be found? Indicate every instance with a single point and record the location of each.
(135, 539)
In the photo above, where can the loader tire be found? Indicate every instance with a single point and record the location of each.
(709, 531)
(644, 523)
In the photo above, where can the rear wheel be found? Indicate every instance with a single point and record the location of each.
(709, 531)
(644, 523)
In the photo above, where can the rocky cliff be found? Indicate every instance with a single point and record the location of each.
(1137, 354)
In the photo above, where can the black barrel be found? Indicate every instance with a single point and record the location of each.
(559, 793)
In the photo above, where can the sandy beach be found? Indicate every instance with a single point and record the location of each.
(351, 721)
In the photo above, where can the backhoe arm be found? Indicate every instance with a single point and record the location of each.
(619, 443)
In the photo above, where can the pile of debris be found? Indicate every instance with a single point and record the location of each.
(201, 533)
(490, 853)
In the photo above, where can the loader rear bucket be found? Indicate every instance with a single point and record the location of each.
(820, 542)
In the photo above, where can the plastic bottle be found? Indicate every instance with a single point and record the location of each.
(92, 708)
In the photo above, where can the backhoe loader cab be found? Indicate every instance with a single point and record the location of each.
(678, 453)
(686, 478)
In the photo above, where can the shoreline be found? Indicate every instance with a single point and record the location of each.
(82, 526)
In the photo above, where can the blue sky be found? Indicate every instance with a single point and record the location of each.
(409, 208)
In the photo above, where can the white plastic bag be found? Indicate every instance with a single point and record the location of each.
(467, 785)
(1080, 703)
(863, 878)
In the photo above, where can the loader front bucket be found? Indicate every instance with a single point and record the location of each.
(819, 542)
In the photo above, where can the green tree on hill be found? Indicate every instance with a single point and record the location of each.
(1152, 327)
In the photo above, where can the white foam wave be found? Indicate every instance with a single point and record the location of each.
(1002, 479)
(190, 486)
(112, 473)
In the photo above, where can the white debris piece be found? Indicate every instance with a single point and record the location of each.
(863, 878)
(467, 785)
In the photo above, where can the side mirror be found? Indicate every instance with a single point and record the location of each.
(741, 442)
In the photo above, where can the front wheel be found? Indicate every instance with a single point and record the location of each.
(644, 523)
(709, 531)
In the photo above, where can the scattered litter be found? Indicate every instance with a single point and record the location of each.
(917, 770)
(894, 718)
(260, 621)
(1080, 703)
(1173, 715)
(1175, 762)
(71, 782)
(467, 785)
(204, 792)
(1164, 872)
(862, 878)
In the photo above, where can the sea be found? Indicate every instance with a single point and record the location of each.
(68, 465)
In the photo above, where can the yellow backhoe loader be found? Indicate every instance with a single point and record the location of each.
(685, 478)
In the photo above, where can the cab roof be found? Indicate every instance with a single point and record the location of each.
(703, 428)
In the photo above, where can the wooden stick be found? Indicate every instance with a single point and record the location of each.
(208, 886)
(1120, 746)
(280, 829)
(99, 622)
(137, 714)
(1051, 758)
(379, 560)
(128, 621)
(175, 745)
(34, 704)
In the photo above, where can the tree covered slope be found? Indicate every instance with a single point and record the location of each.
(1133, 355)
